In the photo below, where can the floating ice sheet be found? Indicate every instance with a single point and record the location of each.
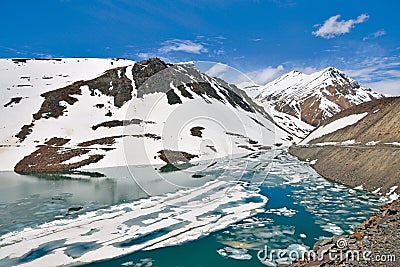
(122, 229)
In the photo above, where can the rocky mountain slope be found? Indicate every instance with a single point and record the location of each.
(359, 147)
(313, 98)
(64, 114)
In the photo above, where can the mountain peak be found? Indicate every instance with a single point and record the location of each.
(333, 72)
(331, 69)
(315, 97)
(295, 72)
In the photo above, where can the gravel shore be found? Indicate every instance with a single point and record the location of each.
(376, 242)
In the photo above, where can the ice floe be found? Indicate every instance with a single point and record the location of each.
(282, 212)
(129, 227)
(234, 253)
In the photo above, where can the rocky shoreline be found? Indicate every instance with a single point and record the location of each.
(364, 154)
(376, 242)
(371, 168)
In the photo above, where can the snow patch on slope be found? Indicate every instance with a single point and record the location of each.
(334, 126)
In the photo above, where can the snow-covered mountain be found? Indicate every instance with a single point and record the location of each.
(315, 97)
(64, 114)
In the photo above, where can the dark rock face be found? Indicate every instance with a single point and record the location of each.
(184, 92)
(113, 83)
(53, 155)
(161, 81)
(235, 100)
(197, 131)
(204, 89)
(50, 157)
(172, 156)
(243, 97)
(188, 81)
(25, 131)
(173, 98)
(14, 100)
(118, 123)
(51, 107)
(145, 69)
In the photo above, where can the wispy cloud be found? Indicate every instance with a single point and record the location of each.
(145, 55)
(388, 87)
(13, 50)
(217, 69)
(382, 74)
(26, 52)
(166, 50)
(308, 70)
(333, 27)
(265, 75)
(375, 69)
(178, 45)
(375, 35)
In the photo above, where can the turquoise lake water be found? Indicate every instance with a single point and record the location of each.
(289, 207)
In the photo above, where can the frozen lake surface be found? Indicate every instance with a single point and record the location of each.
(218, 214)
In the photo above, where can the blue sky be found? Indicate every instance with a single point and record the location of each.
(263, 38)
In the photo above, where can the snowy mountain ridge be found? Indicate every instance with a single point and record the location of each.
(314, 97)
(72, 114)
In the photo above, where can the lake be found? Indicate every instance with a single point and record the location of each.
(220, 213)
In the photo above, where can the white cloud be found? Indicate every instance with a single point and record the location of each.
(332, 27)
(375, 35)
(26, 52)
(375, 70)
(188, 46)
(308, 70)
(217, 69)
(222, 71)
(266, 75)
(145, 55)
(388, 87)
(381, 74)
(365, 74)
